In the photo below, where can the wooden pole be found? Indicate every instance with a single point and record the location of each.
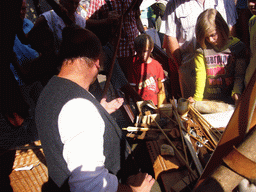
(177, 151)
(119, 31)
(181, 126)
(224, 178)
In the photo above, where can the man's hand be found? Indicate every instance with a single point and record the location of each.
(142, 182)
(113, 105)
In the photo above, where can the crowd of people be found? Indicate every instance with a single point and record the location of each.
(49, 76)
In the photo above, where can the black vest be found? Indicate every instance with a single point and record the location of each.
(54, 96)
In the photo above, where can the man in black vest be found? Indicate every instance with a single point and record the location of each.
(81, 141)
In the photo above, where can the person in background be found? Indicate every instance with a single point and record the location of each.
(148, 21)
(219, 60)
(83, 8)
(69, 119)
(26, 59)
(103, 19)
(56, 24)
(178, 25)
(159, 9)
(24, 53)
(252, 29)
(18, 127)
(145, 71)
(46, 35)
(107, 15)
(146, 16)
(242, 27)
(12, 104)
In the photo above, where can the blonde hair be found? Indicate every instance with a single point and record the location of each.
(208, 21)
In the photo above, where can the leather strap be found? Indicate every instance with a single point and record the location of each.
(239, 163)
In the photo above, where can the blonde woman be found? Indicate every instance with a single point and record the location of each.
(219, 60)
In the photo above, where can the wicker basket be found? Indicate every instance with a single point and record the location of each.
(33, 179)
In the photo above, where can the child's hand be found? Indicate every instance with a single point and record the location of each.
(191, 100)
(236, 97)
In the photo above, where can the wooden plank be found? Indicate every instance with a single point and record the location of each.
(167, 169)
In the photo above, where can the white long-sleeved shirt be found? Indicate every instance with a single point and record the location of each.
(81, 130)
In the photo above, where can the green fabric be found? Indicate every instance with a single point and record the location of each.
(252, 65)
(151, 13)
(232, 41)
(200, 77)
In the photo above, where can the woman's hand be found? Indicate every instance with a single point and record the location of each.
(113, 105)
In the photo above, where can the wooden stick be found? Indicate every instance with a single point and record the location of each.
(205, 127)
(206, 123)
(199, 114)
(113, 59)
(188, 131)
(209, 130)
(181, 126)
(142, 129)
(116, 46)
(177, 151)
(187, 140)
(193, 153)
(206, 134)
(161, 113)
(200, 141)
(202, 118)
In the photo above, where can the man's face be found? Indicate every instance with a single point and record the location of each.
(95, 70)
(252, 6)
(92, 68)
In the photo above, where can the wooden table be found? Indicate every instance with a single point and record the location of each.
(170, 173)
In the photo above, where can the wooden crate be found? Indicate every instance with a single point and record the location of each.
(33, 179)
